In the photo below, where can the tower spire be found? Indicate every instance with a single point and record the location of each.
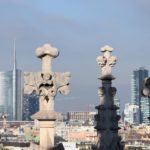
(15, 62)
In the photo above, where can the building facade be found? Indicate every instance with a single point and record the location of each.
(17, 86)
(6, 93)
(11, 91)
(80, 115)
(131, 114)
(11, 94)
(137, 79)
(145, 110)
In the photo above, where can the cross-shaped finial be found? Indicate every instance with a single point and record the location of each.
(47, 53)
(106, 61)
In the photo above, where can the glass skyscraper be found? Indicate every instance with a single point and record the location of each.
(6, 93)
(11, 91)
(17, 94)
(11, 94)
(137, 80)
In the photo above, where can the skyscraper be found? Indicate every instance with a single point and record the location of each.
(137, 79)
(6, 93)
(11, 92)
(17, 87)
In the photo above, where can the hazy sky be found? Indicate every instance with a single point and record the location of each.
(78, 28)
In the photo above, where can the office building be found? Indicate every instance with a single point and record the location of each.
(137, 79)
(6, 93)
(17, 88)
(11, 92)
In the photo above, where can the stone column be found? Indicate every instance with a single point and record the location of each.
(50, 84)
(107, 118)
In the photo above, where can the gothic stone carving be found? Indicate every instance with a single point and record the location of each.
(106, 61)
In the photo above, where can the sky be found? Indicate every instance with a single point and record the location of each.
(78, 28)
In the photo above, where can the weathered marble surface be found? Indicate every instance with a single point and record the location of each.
(106, 61)
(47, 84)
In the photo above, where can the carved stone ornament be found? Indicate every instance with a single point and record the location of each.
(106, 61)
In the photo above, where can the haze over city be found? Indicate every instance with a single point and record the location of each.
(78, 29)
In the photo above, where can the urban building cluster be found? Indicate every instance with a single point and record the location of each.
(81, 129)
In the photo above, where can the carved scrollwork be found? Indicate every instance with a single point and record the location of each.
(47, 87)
(53, 83)
(106, 61)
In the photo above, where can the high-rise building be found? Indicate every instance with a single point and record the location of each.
(137, 79)
(17, 94)
(17, 86)
(11, 92)
(6, 93)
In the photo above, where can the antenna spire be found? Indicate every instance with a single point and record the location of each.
(15, 63)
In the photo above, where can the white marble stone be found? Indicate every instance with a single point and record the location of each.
(106, 61)
(48, 85)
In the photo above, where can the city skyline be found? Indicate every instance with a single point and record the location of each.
(78, 29)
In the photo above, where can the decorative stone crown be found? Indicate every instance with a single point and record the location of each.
(106, 61)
